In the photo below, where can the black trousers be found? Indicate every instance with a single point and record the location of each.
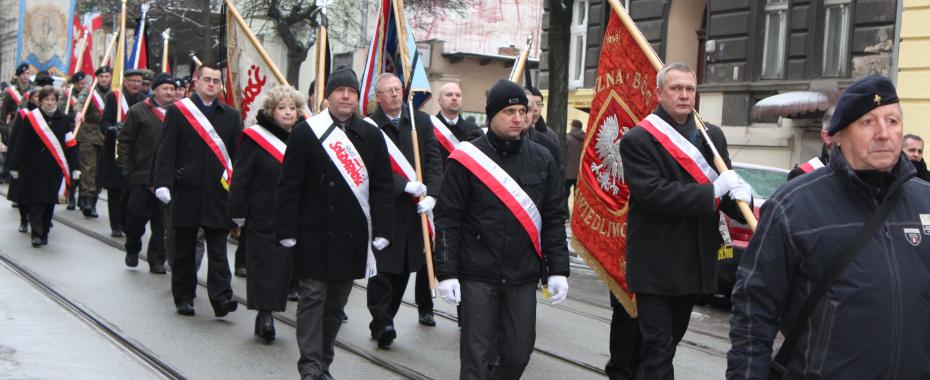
(40, 218)
(497, 319)
(319, 317)
(241, 258)
(662, 321)
(117, 205)
(385, 292)
(145, 208)
(184, 273)
(625, 344)
(422, 295)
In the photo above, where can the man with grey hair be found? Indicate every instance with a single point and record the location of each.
(674, 205)
(817, 162)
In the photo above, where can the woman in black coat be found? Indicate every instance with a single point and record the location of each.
(252, 199)
(35, 163)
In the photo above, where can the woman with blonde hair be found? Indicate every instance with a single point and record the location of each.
(252, 199)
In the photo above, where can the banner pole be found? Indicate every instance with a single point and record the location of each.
(520, 63)
(77, 68)
(93, 86)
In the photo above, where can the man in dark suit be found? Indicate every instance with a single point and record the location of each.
(108, 175)
(196, 174)
(330, 208)
(405, 254)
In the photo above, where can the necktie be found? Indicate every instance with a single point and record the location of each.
(395, 121)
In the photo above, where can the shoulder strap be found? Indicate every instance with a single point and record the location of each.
(836, 268)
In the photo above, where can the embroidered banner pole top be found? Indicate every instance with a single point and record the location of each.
(208, 134)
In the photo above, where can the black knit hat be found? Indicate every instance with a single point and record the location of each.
(342, 76)
(504, 94)
(860, 98)
(103, 70)
(163, 78)
(43, 79)
(22, 68)
(77, 77)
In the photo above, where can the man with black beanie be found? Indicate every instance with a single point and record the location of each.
(490, 260)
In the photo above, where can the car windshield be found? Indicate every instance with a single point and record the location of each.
(763, 182)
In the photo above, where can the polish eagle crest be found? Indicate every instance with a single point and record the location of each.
(610, 170)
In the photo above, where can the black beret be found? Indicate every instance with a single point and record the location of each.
(22, 68)
(77, 77)
(43, 79)
(103, 70)
(133, 72)
(860, 98)
(504, 94)
(342, 76)
(163, 78)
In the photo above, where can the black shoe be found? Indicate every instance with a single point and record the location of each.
(226, 308)
(71, 205)
(45, 240)
(292, 295)
(426, 319)
(241, 272)
(157, 268)
(24, 228)
(36, 242)
(132, 260)
(185, 309)
(264, 326)
(345, 318)
(116, 234)
(386, 337)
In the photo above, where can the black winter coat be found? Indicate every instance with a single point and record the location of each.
(405, 253)
(39, 173)
(463, 130)
(186, 165)
(316, 206)
(479, 239)
(874, 320)
(252, 193)
(672, 225)
(108, 176)
(138, 139)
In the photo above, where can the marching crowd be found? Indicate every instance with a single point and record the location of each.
(318, 201)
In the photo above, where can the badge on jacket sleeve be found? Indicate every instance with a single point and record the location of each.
(925, 223)
(912, 235)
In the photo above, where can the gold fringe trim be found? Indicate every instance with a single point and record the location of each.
(629, 303)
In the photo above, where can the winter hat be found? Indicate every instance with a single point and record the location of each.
(163, 78)
(77, 77)
(43, 79)
(504, 94)
(861, 97)
(22, 68)
(342, 76)
(103, 70)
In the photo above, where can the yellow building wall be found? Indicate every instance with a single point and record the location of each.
(913, 81)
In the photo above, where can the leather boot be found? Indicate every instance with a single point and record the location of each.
(264, 326)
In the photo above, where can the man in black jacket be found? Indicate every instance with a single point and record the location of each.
(914, 150)
(873, 322)
(193, 166)
(405, 254)
(331, 208)
(108, 175)
(673, 234)
(137, 142)
(490, 253)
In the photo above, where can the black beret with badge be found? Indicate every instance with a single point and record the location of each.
(861, 97)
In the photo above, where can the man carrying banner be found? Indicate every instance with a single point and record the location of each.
(491, 260)
(90, 140)
(108, 175)
(137, 142)
(193, 169)
(405, 254)
(333, 197)
(673, 221)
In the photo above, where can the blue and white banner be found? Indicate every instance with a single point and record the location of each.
(45, 35)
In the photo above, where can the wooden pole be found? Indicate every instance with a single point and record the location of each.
(644, 45)
(520, 63)
(319, 89)
(121, 57)
(258, 46)
(77, 67)
(93, 86)
(424, 221)
(166, 36)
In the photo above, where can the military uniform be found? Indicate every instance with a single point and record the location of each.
(90, 144)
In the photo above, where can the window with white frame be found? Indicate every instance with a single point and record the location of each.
(776, 30)
(835, 37)
(578, 44)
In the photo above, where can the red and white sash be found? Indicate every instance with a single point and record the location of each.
(681, 150)
(347, 160)
(124, 106)
(504, 187)
(17, 98)
(399, 163)
(158, 111)
(811, 165)
(267, 140)
(51, 143)
(97, 100)
(208, 134)
(446, 138)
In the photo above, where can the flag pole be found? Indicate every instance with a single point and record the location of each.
(93, 86)
(258, 46)
(657, 64)
(121, 60)
(77, 67)
(401, 23)
(318, 91)
(166, 36)
(520, 62)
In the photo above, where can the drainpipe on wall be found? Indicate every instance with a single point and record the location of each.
(895, 51)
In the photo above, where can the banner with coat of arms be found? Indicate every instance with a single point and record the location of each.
(45, 35)
(250, 78)
(623, 95)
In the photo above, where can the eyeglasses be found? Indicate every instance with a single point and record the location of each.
(392, 90)
(210, 80)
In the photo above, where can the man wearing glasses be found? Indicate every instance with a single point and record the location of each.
(108, 176)
(193, 169)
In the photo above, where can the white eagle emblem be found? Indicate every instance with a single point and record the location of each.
(610, 170)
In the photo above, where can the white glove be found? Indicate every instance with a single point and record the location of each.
(163, 194)
(558, 289)
(287, 243)
(450, 290)
(380, 243)
(76, 174)
(415, 188)
(726, 182)
(743, 192)
(371, 265)
(14, 174)
(426, 205)
(239, 221)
